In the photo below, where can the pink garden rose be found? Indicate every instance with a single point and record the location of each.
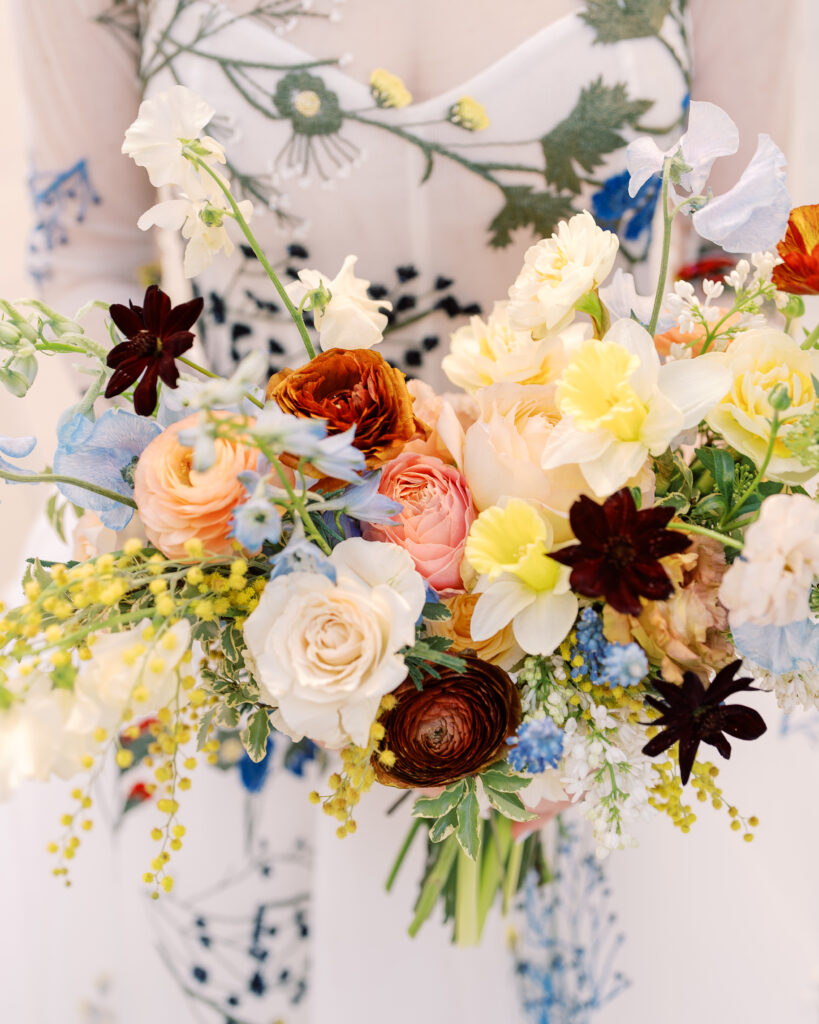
(435, 520)
(176, 503)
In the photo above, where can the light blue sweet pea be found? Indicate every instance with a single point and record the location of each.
(16, 448)
(335, 456)
(103, 452)
(363, 501)
(753, 215)
(779, 649)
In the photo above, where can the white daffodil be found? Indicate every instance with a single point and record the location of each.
(619, 405)
(349, 318)
(508, 546)
(200, 215)
(165, 124)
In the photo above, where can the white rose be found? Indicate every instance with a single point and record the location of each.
(326, 652)
(557, 271)
(481, 354)
(351, 319)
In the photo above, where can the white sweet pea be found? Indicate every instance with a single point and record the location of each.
(621, 299)
(164, 125)
(711, 134)
(619, 405)
(350, 319)
(558, 271)
(753, 215)
(326, 652)
(200, 215)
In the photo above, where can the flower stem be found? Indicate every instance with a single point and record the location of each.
(703, 531)
(776, 423)
(467, 925)
(260, 256)
(56, 478)
(668, 217)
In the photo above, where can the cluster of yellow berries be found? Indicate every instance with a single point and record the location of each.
(611, 697)
(357, 775)
(78, 820)
(667, 797)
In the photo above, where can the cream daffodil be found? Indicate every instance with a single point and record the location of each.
(619, 405)
(509, 547)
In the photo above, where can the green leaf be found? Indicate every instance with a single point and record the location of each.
(433, 884)
(712, 505)
(590, 131)
(254, 735)
(675, 500)
(503, 783)
(443, 803)
(510, 805)
(204, 725)
(444, 827)
(542, 211)
(614, 20)
(433, 610)
(227, 716)
(467, 814)
(720, 465)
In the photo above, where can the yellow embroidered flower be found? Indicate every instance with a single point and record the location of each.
(388, 90)
(469, 114)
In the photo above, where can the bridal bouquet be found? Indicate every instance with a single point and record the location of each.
(547, 588)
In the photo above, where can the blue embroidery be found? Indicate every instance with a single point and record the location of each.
(565, 959)
(58, 200)
(615, 209)
(801, 723)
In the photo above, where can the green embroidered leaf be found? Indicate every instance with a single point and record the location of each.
(254, 735)
(444, 827)
(435, 806)
(524, 208)
(510, 805)
(613, 20)
(467, 832)
(590, 132)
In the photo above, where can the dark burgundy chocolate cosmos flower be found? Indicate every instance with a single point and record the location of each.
(690, 714)
(156, 334)
(619, 553)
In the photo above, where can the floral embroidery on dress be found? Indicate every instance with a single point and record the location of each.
(59, 200)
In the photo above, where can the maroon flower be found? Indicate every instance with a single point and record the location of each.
(157, 333)
(692, 715)
(619, 553)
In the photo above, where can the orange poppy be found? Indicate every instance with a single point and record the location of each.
(799, 274)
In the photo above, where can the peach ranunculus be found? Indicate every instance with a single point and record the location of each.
(676, 341)
(501, 649)
(352, 388)
(177, 504)
(448, 416)
(435, 520)
(688, 632)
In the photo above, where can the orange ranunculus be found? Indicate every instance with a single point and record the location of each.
(799, 274)
(352, 387)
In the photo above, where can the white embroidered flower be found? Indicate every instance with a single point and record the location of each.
(200, 215)
(326, 652)
(757, 361)
(558, 271)
(164, 125)
(770, 583)
(619, 405)
(350, 319)
(481, 354)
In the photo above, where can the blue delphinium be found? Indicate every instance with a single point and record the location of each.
(538, 745)
(258, 519)
(625, 665)
(16, 448)
(103, 452)
(602, 661)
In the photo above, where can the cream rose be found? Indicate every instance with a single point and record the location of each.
(557, 271)
(326, 652)
(757, 361)
(446, 416)
(481, 354)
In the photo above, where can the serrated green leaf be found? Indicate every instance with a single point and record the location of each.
(615, 20)
(467, 832)
(589, 133)
(510, 805)
(434, 610)
(227, 716)
(443, 803)
(444, 827)
(254, 735)
(541, 211)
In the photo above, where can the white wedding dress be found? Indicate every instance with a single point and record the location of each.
(273, 918)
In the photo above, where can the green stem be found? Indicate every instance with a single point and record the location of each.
(402, 853)
(668, 217)
(297, 503)
(260, 256)
(215, 376)
(434, 883)
(467, 926)
(56, 478)
(512, 877)
(757, 480)
(703, 531)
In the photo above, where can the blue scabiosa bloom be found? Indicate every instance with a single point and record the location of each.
(103, 452)
(538, 745)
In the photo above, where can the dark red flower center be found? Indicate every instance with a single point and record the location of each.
(620, 551)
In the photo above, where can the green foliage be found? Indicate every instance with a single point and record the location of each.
(614, 20)
(425, 654)
(802, 440)
(435, 610)
(526, 208)
(55, 513)
(255, 733)
(590, 132)
(467, 832)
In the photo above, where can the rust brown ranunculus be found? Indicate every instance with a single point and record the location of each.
(352, 387)
(456, 726)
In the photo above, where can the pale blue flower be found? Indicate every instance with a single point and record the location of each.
(779, 649)
(202, 438)
(296, 435)
(365, 502)
(16, 448)
(337, 457)
(103, 452)
(624, 665)
(256, 521)
(301, 555)
(537, 746)
(753, 215)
